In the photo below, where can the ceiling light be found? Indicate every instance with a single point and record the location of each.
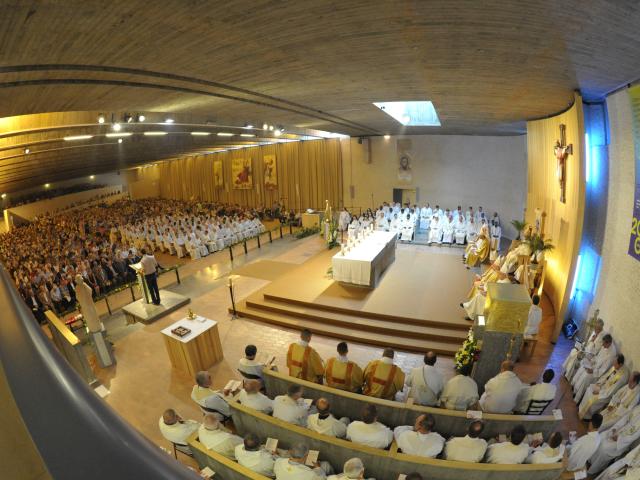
(387, 137)
(26, 151)
(119, 140)
(116, 127)
(201, 134)
(270, 127)
(157, 133)
(141, 118)
(73, 138)
(225, 134)
(277, 133)
(247, 135)
(168, 120)
(265, 126)
(248, 125)
(118, 135)
(92, 177)
(4, 195)
(100, 118)
(47, 185)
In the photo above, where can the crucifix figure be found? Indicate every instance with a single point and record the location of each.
(562, 152)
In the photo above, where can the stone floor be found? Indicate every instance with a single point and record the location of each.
(142, 383)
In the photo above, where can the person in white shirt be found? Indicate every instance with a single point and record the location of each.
(470, 448)
(538, 392)
(369, 431)
(254, 457)
(426, 383)
(501, 392)
(149, 269)
(291, 407)
(511, 452)
(585, 447)
(615, 441)
(324, 422)
(435, 230)
(420, 439)
(209, 400)
(215, 437)
(622, 402)
(250, 396)
(295, 468)
(248, 366)
(461, 391)
(176, 430)
(584, 350)
(534, 318)
(598, 394)
(594, 368)
(551, 452)
(353, 469)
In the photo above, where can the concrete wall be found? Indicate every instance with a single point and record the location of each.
(449, 170)
(619, 285)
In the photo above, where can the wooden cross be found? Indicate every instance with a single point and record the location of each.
(562, 152)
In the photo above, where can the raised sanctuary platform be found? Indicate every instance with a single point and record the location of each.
(415, 306)
(141, 311)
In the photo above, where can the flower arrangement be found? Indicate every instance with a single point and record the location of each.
(307, 232)
(332, 238)
(468, 353)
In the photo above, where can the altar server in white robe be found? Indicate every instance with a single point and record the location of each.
(395, 223)
(622, 401)
(550, 452)
(250, 396)
(501, 392)
(435, 232)
(588, 350)
(216, 438)
(513, 451)
(599, 393)
(369, 431)
(542, 392)
(470, 448)
(592, 369)
(344, 219)
(469, 214)
(496, 235)
(616, 441)
(325, 423)
(585, 447)
(472, 231)
(627, 467)
(447, 230)
(292, 407)
(460, 230)
(407, 228)
(461, 391)
(420, 439)
(438, 211)
(248, 365)
(253, 456)
(479, 215)
(426, 382)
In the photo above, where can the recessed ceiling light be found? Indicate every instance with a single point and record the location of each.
(201, 134)
(119, 140)
(247, 135)
(168, 120)
(4, 195)
(118, 135)
(73, 138)
(413, 113)
(265, 126)
(47, 185)
(26, 151)
(92, 177)
(156, 133)
(141, 118)
(277, 133)
(116, 127)
(248, 125)
(387, 137)
(270, 127)
(225, 134)
(100, 118)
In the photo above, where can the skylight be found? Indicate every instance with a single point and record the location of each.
(412, 114)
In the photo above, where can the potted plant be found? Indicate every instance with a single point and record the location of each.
(519, 225)
(538, 247)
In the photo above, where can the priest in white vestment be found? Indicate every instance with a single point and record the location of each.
(585, 447)
(216, 438)
(435, 231)
(622, 402)
(599, 393)
(344, 219)
(250, 396)
(353, 469)
(425, 216)
(461, 391)
(581, 350)
(369, 431)
(426, 382)
(325, 423)
(627, 467)
(511, 452)
(447, 230)
(253, 456)
(292, 407)
(550, 452)
(470, 448)
(176, 430)
(501, 392)
(295, 468)
(209, 399)
(460, 230)
(594, 368)
(472, 232)
(616, 441)
(541, 392)
(420, 439)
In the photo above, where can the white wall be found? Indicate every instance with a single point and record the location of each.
(449, 170)
(619, 284)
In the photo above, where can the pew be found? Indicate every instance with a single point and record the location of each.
(224, 468)
(381, 464)
(448, 422)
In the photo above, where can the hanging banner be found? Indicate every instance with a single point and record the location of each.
(270, 172)
(218, 179)
(634, 241)
(241, 174)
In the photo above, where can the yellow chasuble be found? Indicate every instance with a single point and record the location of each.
(344, 376)
(383, 380)
(480, 254)
(304, 362)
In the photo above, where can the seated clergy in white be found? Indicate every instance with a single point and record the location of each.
(250, 396)
(448, 230)
(210, 400)
(420, 439)
(599, 393)
(539, 392)
(584, 350)
(470, 448)
(324, 422)
(550, 452)
(616, 441)
(176, 430)
(353, 469)
(591, 369)
(248, 366)
(254, 457)
(460, 230)
(475, 306)
(585, 447)
(291, 407)
(369, 431)
(294, 468)
(513, 451)
(461, 391)
(627, 467)
(501, 392)
(426, 382)
(622, 401)
(216, 438)
(534, 318)
(435, 231)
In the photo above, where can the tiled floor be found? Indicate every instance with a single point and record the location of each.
(142, 384)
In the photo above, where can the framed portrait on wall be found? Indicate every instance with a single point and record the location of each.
(218, 178)
(270, 172)
(241, 174)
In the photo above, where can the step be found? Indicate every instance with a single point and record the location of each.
(360, 322)
(348, 334)
(382, 316)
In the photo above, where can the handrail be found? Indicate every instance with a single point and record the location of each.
(76, 434)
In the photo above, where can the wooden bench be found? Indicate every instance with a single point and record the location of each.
(382, 464)
(393, 414)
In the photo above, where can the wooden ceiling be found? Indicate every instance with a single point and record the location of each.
(487, 66)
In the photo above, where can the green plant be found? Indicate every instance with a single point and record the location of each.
(468, 352)
(519, 225)
(332, 240)
(307, 232)
(538, 244)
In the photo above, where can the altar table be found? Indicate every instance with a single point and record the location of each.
(365, 263)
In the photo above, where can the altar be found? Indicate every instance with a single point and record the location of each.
(363, 262)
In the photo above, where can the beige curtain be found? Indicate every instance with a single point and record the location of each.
(309, 172)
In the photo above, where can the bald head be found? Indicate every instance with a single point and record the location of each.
(353, 468)
(506, 366)
(323, 406)
(169, 417)
(252, 386)
(203, 379)
(211, 422)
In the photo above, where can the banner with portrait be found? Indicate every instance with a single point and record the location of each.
(634, 241)
(241, 173)
(218, 178)
(270, 172)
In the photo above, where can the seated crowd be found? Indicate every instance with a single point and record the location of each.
(100, 243)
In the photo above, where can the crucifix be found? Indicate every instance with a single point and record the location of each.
(562, 152)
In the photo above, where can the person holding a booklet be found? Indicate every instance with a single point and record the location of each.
(208, 399)
(292, 407)
(297, 467)
(255, 457)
